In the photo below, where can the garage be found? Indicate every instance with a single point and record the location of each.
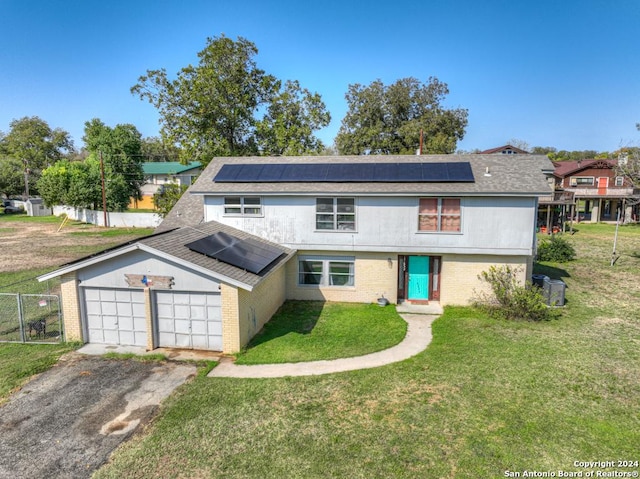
(115, 316)
(190, 320)
(207, 288)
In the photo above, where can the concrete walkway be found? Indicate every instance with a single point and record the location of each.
(416, 340)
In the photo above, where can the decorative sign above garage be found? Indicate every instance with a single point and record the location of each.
(149, 281)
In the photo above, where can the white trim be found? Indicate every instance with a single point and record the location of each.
(137, 246)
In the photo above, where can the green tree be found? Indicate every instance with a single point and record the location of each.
(292, 117)
(11, 177)
(154, 148)
(388, 119)
(121, 150)
(72, 183)
(165, 199)
(212, 109)
(33, 142)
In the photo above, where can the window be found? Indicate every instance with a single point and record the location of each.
(335, 214)
(582, 181)
(619, 180)
(243, 205)
(439, 214)
(324, 271)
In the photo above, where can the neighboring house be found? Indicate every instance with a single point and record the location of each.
(157, 174)
(599, 193)
(414, 229)
(504, 150)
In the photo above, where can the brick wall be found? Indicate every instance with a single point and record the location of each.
(244, 313)
(375, 275)
(459, 278)
(71, 307)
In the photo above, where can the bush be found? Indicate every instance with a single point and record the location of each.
(511, 300)
(557, 249)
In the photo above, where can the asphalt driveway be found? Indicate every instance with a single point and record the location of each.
(66, 422)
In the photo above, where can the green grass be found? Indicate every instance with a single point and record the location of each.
(23, 217)
(95, 232)
(485, 397)
(18, 362)
(309, 330)
(136, 357)
(25, 282)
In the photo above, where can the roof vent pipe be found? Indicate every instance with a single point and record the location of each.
(486, 171)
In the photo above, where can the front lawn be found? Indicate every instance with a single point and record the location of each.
(486, 397)
(313, 330)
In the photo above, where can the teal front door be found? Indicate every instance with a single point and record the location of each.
(418, 277)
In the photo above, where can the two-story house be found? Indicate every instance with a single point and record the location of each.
(158, 174)
(600, 195)
(252, 232)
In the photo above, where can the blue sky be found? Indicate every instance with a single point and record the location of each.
(562, 73)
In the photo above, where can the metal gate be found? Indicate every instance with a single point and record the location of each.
(30, 318)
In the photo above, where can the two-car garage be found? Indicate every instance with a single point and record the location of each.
(182, 319)
(174, 290)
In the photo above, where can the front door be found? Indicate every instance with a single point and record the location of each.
(418, 281)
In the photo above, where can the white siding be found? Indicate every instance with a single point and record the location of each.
(112, 273)
(492, 225)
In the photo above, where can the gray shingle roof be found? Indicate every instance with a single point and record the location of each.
(514, 175)
(173, 243)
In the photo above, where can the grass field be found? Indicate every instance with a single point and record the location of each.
(486, 397)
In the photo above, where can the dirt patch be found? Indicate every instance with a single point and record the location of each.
(30, 245)
(65, 423)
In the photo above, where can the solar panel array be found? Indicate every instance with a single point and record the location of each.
(248, 254)
(346, 173)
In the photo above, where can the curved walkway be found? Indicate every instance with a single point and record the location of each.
(416, 340)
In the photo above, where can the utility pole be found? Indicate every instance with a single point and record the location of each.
(104, 193)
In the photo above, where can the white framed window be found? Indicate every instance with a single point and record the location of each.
(439, 214)
(335, 214)
(326, 271)
(582, 181)
(619, 181)
(243, 205)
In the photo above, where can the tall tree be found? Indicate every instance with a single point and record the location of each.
(33, 142)
(291, 119)
(155, 149)
(212, 109)
(11, 177)
(121, 150)
(386, 120)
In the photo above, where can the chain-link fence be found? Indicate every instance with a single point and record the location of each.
(30, 318)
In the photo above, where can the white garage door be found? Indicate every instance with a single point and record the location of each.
(116, 316)
(189, 320)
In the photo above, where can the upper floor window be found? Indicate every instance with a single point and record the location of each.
(582, 181)
(243, 205)
(619, 181)
(439, 214)
(335, 214)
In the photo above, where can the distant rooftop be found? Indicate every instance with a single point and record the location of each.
(504, 150)
(168, 167)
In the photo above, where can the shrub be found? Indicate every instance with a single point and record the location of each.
(556, 249)
(511, 300)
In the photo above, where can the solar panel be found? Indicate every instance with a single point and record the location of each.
(346, 173)
(248, 254)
